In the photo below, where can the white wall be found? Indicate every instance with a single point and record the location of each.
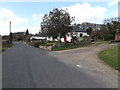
(84, 34)
(50, 38)
(34, 37)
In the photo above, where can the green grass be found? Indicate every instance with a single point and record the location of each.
(77, 46)
(70, 47)
(6, 47)
(36, 44)
(48, 43)
(96, 44)
(110, 56)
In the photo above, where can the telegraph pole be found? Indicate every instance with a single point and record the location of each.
(10, 27)
(10, 36)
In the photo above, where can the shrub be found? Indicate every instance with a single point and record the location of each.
(108, 37)
(36, 44)
(85, 39)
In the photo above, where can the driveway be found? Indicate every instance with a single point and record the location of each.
(86, 60)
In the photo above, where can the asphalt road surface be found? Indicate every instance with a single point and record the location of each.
(27, 67)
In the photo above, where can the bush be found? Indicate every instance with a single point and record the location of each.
(108, 37)
(36, 44)
(85, 39)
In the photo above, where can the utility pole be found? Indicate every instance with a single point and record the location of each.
(10, 36)
(10, 27)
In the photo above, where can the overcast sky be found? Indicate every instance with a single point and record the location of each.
(28, 15)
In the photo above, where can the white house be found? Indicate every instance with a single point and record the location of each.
(49, 38)
(37, 37)
(80, 34)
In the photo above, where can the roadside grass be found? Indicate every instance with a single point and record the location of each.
(78, 46)
(67, 47)
(96, 44)
(110, 56)
(5, 47)
(102, 42)
(38, 43)
(49, 43)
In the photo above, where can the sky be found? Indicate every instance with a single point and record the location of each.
(28, 15)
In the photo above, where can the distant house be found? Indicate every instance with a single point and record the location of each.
(80, 31)
(78, 35)
(37, 38)
(95, 27)
(50, 39)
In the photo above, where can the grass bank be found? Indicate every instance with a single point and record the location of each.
(38, 43)
(70, 47)
(5, 47)
(110, 56)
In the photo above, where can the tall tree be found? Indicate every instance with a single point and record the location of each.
(57, 22)
(27, 32)
(27, 35)
(112, 24)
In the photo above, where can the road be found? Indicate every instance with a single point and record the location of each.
(27, 67)
(0, 62)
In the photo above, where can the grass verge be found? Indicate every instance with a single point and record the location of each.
(6, 47)
(70, 47)
(110, 56)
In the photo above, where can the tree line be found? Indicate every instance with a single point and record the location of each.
(110, 28)
(58, 22)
